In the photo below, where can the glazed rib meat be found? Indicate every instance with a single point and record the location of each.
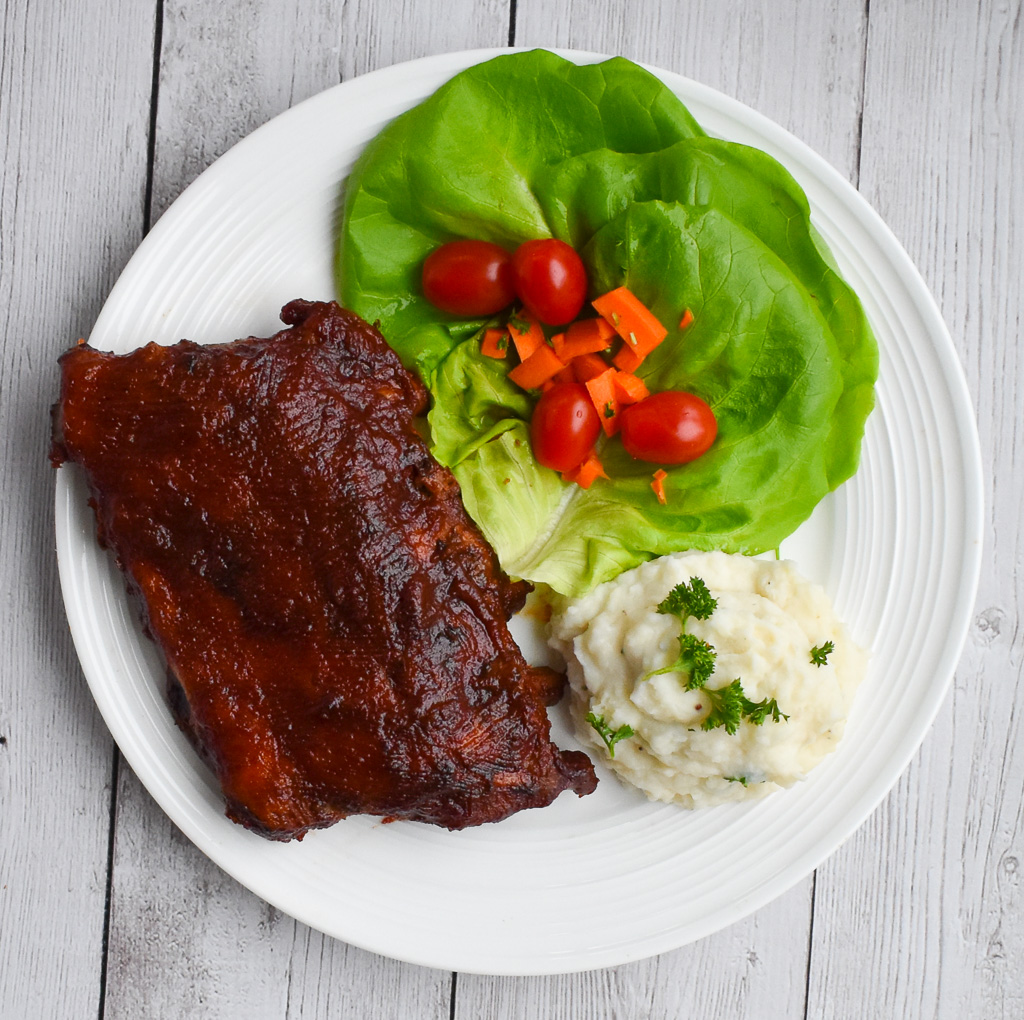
(334, 624)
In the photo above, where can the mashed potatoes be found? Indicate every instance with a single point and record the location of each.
(767, 620)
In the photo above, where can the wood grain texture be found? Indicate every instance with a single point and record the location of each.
(380, 34)
(753, 970)
(72, 177)
(227, 68)
(920, 915)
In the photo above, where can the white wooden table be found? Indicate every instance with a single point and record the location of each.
(108, 109)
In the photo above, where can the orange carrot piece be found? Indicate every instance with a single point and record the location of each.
(602, 394)
(686, 319)
(641, 332)
(586, 336)
(587, 366)
(566, 375)
(626, 361)
(526, 332)
(591, 331)
(494, 343)
(658, 485)
(537, 369)
(629, 388)
(586, 474)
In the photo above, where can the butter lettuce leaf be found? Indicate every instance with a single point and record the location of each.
(467, 162)
(608, 159)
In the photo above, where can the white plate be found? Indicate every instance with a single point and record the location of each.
(586, 882)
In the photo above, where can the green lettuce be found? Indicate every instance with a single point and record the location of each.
(606, 158)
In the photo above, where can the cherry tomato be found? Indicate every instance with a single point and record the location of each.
(550, 280)
(668, 428)
(564, 427)
(469, 278)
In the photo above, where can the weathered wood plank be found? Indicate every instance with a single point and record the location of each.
(750, 971)
(921, 914)
(375, 34)
(72, 178)
(185, 940)
(225, 69)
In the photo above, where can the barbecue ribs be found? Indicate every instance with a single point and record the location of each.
(333, 623)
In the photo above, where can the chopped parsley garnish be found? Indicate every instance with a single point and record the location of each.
(502, 344)
(686, 600)
(729, 706)
(757, 712)
(696, 659)
(521, 326)
(607, 734)
(742, 780)
(726, 707)
(820, 653)
(609, 411)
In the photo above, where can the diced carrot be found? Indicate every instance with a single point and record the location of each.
(495, 343)
(558, 343)
(629, 388)
(641, 332)
(585, 475)
(545, 386)
(526, 332)
(537, 369)
(686, 319)
(658, 485)
(587, 366)
(586, 336)
(566, 375)
(602, 393)
(591, 331)
(626, 360)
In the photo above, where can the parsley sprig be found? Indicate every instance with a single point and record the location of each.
(696, 660)
(519, 324)
(607, 734)
(686, 600)
(757, 711)
(730, 706)
(820, 653)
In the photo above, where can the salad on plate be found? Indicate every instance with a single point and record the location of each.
(607, 159)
